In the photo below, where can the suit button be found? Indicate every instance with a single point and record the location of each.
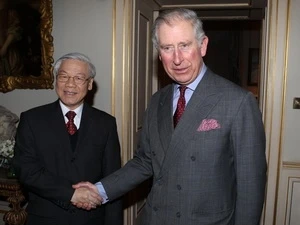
(155, 208)
(159, 182)
(178, 214)
(178, 187)
(153, 153)
(193, 158)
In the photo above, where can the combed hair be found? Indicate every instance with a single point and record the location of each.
(170, 16)
(75, 56)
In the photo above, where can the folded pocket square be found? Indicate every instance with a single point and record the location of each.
(209, 124)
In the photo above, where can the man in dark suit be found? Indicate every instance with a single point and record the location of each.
(53, 151)
(210, 167)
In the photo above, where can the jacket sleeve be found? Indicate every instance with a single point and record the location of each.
(111, 163)
(248, 142)
(136, 170)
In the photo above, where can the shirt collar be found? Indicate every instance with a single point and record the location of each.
(65, 109)
(192, 86)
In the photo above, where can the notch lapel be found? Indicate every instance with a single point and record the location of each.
(165, 117)
(85, 124)
(57, 124)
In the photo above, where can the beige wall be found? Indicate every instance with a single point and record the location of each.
(291, 123)
(281, 120)
(83, 26)
(289, 176)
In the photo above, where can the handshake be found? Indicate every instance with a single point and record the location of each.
(86, 196)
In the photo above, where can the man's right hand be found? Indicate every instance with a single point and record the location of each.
(86, 196)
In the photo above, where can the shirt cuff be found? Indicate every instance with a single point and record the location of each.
(102, 192)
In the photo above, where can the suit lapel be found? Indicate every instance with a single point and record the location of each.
(165, 117)
(84, 125)
(57, 124)
(203, 100)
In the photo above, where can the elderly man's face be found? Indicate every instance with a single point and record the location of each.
(180, 52)
(70, 93)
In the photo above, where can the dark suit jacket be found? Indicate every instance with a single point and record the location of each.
(47, 166)
(211, 169)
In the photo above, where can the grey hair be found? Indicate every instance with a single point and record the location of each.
(179, 14)
(75, 56)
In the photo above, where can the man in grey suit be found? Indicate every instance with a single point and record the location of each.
(49, 158)
(211, 168)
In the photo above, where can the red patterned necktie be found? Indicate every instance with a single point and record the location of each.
(180, 105)
(71, 127)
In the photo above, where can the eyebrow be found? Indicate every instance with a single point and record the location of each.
(180, 43)
(185, 43)
(64, 72)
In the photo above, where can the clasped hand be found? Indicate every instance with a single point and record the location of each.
(86, 196)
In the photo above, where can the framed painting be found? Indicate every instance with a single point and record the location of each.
(26, 44)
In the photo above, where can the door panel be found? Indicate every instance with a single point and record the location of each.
(141, 93)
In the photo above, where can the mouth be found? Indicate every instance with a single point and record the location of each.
(70, 93)
(181, 70)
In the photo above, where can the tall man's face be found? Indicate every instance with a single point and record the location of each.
(69, 92)
(180, 52)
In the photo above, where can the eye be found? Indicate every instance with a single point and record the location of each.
(63, 77)
(167, 49)
(79, 78)
(184, 46)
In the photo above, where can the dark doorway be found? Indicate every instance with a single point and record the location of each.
(233, 51)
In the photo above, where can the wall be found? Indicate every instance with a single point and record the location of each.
(82, 27)
(77, 26)
(281, 120)
(289, 177)
(292, 116)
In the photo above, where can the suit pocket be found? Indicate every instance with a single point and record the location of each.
(214, 217)
(211, 211)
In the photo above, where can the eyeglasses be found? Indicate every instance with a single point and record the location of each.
(78, 80)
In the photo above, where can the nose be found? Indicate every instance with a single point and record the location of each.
(71, 82)
(177, 57)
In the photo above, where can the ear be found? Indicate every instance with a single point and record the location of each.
(90, 84)
(159, 56)
(203, 46)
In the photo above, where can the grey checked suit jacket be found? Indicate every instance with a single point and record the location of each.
(201, 176)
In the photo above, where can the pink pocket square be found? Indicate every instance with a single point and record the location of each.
(209, 124)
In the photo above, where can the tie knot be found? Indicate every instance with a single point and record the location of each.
(70, 115)
(182, 89)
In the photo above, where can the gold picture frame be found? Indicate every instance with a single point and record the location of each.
(43, 79)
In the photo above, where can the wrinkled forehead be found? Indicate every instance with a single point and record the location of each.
(182, 30)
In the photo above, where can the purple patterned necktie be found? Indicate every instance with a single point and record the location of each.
(180, 105)
(71, 127)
